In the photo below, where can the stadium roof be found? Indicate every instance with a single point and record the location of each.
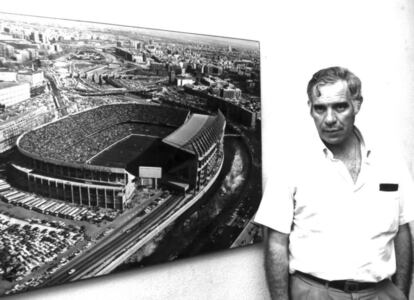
(182, 137)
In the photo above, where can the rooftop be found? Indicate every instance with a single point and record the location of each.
(7, 84)
(29, 72)
(6, 70)
(182, 137)
(22, 45)
(185, 76)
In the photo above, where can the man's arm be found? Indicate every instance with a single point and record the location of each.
(403, 253)
(277, 264)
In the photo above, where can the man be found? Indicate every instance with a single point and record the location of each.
(338, 225)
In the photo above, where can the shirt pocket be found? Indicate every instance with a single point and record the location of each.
(385, 212)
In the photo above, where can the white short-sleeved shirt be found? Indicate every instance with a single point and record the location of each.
(339, 229)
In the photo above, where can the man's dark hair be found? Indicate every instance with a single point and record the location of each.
(332, 75)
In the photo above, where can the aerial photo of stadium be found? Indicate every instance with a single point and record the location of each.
(92, 157)
(122, 148)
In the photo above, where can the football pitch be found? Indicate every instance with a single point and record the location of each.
(122, 152)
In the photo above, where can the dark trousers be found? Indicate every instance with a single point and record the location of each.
(302, 288)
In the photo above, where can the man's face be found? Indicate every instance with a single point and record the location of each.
(334, 113)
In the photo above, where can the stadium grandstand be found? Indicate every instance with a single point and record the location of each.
(93, 158)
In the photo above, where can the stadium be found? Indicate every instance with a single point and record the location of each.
(95, 157)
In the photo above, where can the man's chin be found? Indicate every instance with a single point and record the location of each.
(332, 140)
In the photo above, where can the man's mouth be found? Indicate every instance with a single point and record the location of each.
(331, 130)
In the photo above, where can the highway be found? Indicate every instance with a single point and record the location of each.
(57, 96)
(103, 253)
(96, 259)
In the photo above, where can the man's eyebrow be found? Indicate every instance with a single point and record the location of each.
(341, 104)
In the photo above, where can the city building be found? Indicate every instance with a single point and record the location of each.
(56, 48)
(138, 58)
(213, 70)
(184, 80)
(7, 75)
(171, 77)
(33, 53)
(208, 81)
(6, 50)
(34, 36)
(11, 129)
(136, 44)
(34, 78)
(39, 37)
(124, 53)
(12, 93)
(231, 93)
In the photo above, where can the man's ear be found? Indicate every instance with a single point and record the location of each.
(310, 106)
(357, 105)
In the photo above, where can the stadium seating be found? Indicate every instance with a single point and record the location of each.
(61, 160)
(78, 137)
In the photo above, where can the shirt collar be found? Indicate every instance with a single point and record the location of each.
(365, 150)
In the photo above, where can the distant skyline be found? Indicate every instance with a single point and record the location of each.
(90, 25)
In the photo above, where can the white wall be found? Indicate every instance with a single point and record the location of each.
(372, 38)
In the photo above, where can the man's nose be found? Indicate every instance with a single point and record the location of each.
(330, 118)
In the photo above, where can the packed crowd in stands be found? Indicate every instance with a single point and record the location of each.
(76, 138)
(50, 139)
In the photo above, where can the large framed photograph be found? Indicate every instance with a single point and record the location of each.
(122, 147)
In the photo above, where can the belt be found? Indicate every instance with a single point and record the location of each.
(347, 286)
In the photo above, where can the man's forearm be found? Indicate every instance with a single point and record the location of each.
(277, 264)
(403, 253)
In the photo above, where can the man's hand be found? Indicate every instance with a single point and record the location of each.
(403, 253)
(277, 264)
